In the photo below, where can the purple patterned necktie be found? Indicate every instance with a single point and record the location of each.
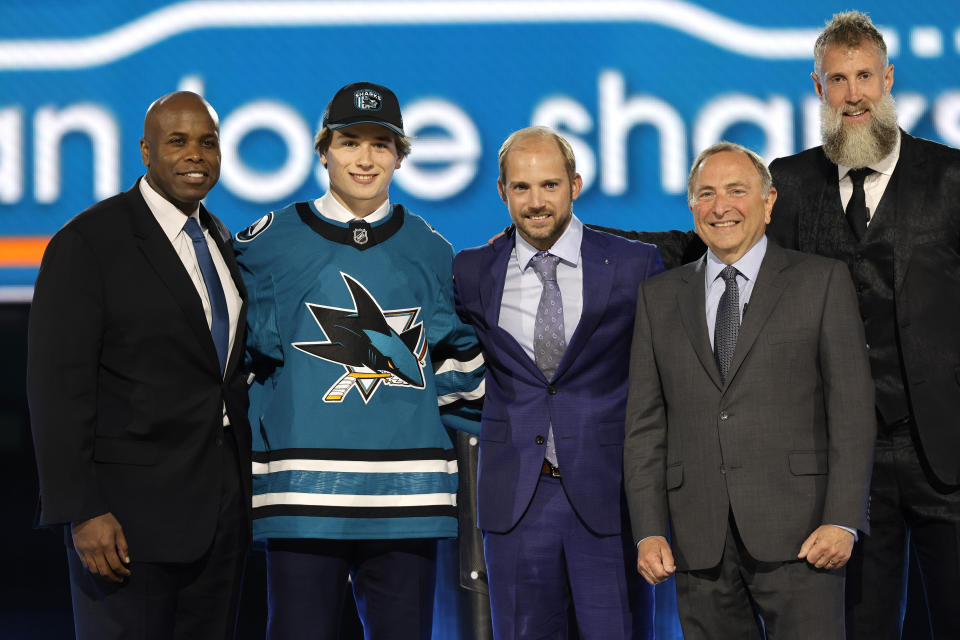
(727, 326)
(549, 340)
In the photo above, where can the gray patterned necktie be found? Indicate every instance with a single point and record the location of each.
(727, 326)
(549, 340)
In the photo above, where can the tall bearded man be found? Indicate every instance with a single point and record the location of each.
(886, 203)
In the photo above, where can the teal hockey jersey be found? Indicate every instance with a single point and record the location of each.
(358, 362)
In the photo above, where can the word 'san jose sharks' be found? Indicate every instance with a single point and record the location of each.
(373, 345)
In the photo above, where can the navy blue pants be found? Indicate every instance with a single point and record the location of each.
(551, 557)
(393, 584)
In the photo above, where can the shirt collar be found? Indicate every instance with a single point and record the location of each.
(170, 218)
(330, 207)
(567, 246)
(884, 165)
(748, 265)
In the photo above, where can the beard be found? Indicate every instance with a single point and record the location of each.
(859, 144)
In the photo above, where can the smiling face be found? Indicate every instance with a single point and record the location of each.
(853, 79)
(181, 149)
(538, 191)
(858, 117)
(730, 212)
(361, 160)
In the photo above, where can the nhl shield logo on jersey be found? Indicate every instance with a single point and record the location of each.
(375, 346)
(255, 229)
(367, 100)
(360, 236)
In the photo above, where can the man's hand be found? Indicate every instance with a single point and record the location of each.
(655, 560)
(101, 546)
(828, 547)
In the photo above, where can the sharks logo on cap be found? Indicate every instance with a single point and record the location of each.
(367, 100)
(373, 345)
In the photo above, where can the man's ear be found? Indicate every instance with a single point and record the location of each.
(816, 85)
(144, 152)
(503, 195)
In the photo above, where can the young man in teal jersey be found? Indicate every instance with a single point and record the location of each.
(360, 362)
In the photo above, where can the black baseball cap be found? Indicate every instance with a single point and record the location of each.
(364, 102)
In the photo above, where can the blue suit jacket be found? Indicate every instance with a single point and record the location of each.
(586, 399)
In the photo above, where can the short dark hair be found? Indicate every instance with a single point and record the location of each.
(322, 142)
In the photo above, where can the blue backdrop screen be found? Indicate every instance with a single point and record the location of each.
(638, 88)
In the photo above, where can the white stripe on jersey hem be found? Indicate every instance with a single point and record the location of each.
(475, 394)
(357, 466)
(452, 364)
(349, 500)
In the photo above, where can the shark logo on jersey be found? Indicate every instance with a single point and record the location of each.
(373, 345)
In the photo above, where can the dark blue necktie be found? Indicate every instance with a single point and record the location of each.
(727, 325)
(219, 318)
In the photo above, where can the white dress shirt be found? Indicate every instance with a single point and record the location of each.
(171, 221)
(874, 184)
(330, 207)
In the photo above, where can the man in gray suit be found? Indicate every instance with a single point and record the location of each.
(749, 434)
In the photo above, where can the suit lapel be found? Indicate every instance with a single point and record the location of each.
(766, 292)
(598, 277)
(691, 299)
(912, 175)
(222, 240)
(491, 295)
(827, 204)
(163, 258)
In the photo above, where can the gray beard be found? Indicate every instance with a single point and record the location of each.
(858, 145)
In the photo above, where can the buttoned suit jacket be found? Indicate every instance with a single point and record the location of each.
(926, 273)
(124, 383)
(786, 444)
(584, 401)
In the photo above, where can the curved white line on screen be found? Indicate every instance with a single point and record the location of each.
(173, 20)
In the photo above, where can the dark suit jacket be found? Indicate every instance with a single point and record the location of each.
(926, 264)
(586, 399)
(786, 444)
(124, 386)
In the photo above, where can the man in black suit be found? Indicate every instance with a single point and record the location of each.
(887, 204)
(897, 227)
(137, 403)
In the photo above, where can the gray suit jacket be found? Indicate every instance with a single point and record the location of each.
(786, 444)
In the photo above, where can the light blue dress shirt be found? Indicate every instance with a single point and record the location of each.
(748, 266)
(522, 287)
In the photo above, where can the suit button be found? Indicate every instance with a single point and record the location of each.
(724, 415)
(723, 469)
(219, 441)
(541, 439)
(552, 390)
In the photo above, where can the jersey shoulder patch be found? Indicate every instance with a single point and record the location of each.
(255, 229)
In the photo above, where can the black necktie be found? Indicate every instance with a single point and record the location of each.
(727, 326)
(857, 207)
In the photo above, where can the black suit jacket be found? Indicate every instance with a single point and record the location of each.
(124, 385)
(926, 265)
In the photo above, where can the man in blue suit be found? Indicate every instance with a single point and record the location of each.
(553, 305)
